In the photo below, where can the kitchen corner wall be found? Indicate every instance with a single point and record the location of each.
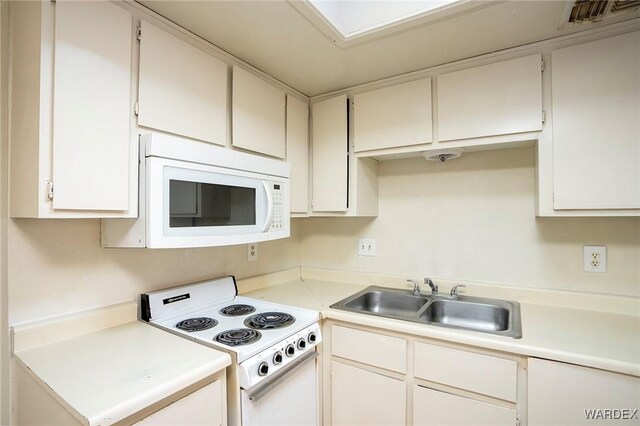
(473, 219)
(57, 267)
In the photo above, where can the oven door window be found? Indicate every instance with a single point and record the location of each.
(203, 203)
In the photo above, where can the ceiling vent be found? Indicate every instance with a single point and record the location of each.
(581, 11)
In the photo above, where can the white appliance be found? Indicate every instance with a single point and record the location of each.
(194, 194)
(273, 379)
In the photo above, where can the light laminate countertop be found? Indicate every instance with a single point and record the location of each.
(592, 338)
(106, 375)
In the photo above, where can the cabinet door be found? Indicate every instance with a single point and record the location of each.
(298, 153)
(183, 90)
(565, 394)
(394, 116)
(596, 126)
(258, 114)
(330, 152)
(360, 397)
(91, 105)
(497, 99)
(435, 408)
(203, 407)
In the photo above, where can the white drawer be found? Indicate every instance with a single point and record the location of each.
(369, 348)
(484, 374)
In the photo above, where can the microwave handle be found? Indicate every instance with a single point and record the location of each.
(267, 222)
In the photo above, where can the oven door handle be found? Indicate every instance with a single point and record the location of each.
(267, 386)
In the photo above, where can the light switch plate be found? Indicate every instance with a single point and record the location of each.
(595, 258)
(367, 247)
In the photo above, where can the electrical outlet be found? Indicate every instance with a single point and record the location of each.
(595, 258)
(252, 252)
(367, 247)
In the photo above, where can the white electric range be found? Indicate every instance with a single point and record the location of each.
(274, 378)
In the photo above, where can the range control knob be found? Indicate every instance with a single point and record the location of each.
(312, 337)
(290, 350)
(302, 343)
(277, 358)
(263, 369)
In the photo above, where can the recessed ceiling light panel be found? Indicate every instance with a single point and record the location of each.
(349, 21)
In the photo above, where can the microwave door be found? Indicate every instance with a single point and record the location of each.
(267, 189)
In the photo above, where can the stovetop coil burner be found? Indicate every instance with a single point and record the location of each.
(238, 337)
(196, 324)
(237, 310)
(269, 320)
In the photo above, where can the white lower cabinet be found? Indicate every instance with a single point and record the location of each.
(381, 377)
(203, 407)
(361, 397)
(435, 408)
(566, 394)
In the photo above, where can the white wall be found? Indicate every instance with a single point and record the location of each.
(473, 218)
(5, 354)
(58, 267)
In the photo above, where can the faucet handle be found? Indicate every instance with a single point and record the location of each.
(454, 290)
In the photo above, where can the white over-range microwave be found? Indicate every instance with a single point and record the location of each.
(194, 194)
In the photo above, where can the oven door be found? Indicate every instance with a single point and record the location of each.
(194, 205)
(289, 397)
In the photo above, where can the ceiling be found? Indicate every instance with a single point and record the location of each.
(276, 38)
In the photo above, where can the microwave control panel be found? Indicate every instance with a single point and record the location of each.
(277, 221)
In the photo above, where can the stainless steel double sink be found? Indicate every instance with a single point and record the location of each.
(494, 316)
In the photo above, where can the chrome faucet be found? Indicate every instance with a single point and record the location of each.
(434, 287)
(416, 287)
(454, 290)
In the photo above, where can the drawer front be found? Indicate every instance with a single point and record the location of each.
(369, 348)
(488, 375)
(203, 407)
(431, 407)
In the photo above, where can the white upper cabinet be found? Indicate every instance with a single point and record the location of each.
(491, 100)
(330, 155)
(258, 114)
(91, 86)
(596, 124)
(183, 89)
(298, 153)
(393, 116)
(72, 152)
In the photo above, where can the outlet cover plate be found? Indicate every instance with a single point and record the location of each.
(595, 258)
(252, 252)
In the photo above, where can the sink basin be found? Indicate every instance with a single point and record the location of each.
(384, 302)
(388, 303)
(464, 314)
(492, 316)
